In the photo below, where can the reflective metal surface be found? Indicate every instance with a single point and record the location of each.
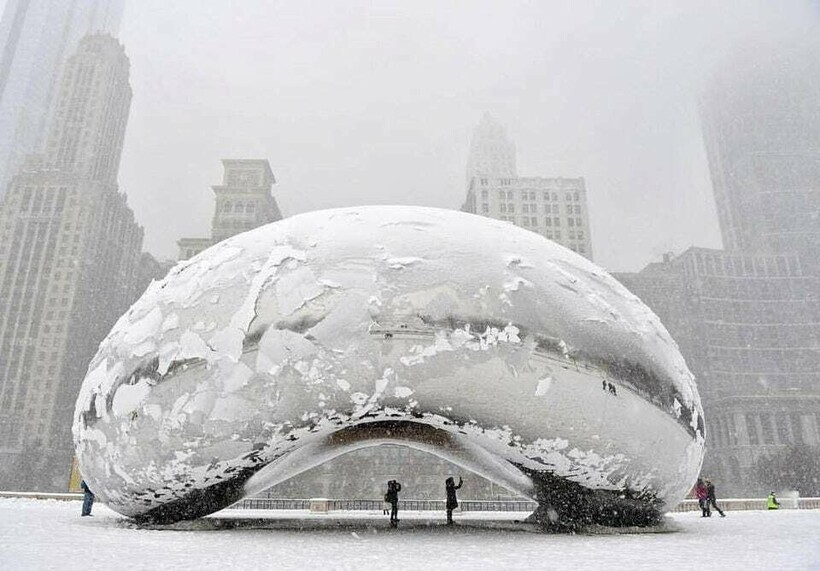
(467, 337)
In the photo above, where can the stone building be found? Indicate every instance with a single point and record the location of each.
(747, 318)
(243, 202)
(69, 256)
(556, 208)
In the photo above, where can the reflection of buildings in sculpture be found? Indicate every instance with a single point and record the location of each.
(553, 207)
(36, 39)
(363, 474)
(69, 254)
(748, 328)
(243, 202)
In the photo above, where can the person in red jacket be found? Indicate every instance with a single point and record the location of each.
(703, 498)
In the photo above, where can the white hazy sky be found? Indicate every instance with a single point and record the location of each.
(374, 102)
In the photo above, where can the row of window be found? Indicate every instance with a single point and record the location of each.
(532, 195)
(761, 266)
(238, 207)
(764, 428)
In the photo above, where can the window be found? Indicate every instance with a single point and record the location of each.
(555, 209)
(556, 221)
(526, 221)
(534, 221)
(510, 207)
(580, 234)
(502, 207)
(568, 196)
(546, 195)
(554, 196)
(577, 209)
(502, 194)
(570, 222)
(532, 195)
(485, 208)
(525, 208)
(569, 208)
(227, 207)
(751, 429)
(548, 221)
(483, 182)
(485, 194)
(577, 197)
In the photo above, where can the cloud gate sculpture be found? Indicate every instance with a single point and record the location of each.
(472, 339)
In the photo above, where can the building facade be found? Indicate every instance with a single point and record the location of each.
(749, 329)
(556, 208)
(761, 125)
(69, 263)
(243, 202)
(36, 39)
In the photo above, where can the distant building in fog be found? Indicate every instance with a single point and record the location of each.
(747, 319)
(556, 208)
(36, 39)
(69, 261)
(243, 202)
(761, 124)
(749, 329)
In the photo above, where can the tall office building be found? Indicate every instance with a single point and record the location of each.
(492, 153)
(243, 202)
(761, 124)
(69, 261)
(36, 39)
(748, 318)
(556, 208)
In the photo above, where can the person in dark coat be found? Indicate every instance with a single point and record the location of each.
(392, 498)
(452, 501)
(711, 498)
(88, 498)
(703, 498)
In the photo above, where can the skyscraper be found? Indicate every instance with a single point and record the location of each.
(492, 154)
(36, 38)
(554, 207)
(761, 124)
(748, 318)
(69, 255)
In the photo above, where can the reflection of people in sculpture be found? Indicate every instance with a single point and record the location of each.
(452, 500)
(612, 389)
(392, 498)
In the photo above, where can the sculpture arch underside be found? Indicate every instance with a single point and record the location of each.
(471, 339)
(562, 504)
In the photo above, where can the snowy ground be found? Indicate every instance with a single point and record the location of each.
(40, 534)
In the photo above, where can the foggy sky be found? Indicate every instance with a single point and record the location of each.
(362, 103)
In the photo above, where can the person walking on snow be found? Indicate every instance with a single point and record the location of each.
(88, 498)
(452, 501)
(711, 498)
(771, 502)
(703, 498)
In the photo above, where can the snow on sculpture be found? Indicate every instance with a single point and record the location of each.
(470, 338)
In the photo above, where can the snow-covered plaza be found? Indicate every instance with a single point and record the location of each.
(47, 534)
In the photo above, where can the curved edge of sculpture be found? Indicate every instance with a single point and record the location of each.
(485, 344)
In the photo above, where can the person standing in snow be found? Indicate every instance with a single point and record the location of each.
(771, 502)
(88, 499)
(703, 498)
(711, 498)
(392, 498)
(452, 501)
